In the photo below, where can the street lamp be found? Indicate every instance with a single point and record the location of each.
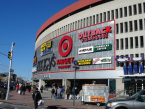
(9, 77)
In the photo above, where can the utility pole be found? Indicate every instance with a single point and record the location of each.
(9, 77)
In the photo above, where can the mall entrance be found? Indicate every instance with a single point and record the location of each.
(134, 84)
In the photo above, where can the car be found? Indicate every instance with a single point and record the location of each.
(136, 101)
(6, 85)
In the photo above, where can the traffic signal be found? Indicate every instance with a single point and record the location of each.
(9, 54)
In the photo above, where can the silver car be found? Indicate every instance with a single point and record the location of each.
(136, 101)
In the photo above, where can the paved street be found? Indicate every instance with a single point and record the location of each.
(25, 102)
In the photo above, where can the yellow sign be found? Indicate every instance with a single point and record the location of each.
(46, 45)
(85, 62)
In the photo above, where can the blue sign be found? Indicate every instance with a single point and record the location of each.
(75, 62)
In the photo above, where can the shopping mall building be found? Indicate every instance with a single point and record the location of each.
(103, 37)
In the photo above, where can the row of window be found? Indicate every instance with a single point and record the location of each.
(123, 43)
(129, 26)
(105, 16)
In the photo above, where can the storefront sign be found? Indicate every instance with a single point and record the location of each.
(85, 62)
(104, 47)
(45, 64)
(95, 34)
(46, 48)
(104, 60)
(85, 50)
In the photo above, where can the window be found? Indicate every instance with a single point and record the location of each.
(130, 26)
(112, 14)
(121, 42)
(97, 17)
(108, 15)
(136, 42)
(132, 55)
(104, 16)
(126, 43)
(90, 20)
(139, 8)
(116, 12)
(87, 23)
(117, 44)
(140, 24)
(144, 7)
(136, 55)
(126, 27)
(117, 29)
(125, 11)
(130, 10)
(121, 13)
(93, 19)
(117, 63)
(141, 41)
(134, 9)
(135, 25)
(131, 42)
(84, 22)
(121, 27)
(100, 17)
(81, 25)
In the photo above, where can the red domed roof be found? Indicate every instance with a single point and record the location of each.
(77, 5)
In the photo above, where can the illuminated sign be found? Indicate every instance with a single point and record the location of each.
(104, 47)
(46, 48)
(85, 50)
(85, 62)
(95, 34)
(104, 60)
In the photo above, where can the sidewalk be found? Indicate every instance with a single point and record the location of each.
(48, 101)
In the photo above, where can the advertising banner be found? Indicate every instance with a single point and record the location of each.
(93, 47)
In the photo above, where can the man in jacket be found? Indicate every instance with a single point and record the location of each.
(36, 97)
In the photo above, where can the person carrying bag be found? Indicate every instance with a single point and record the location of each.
(36, 97)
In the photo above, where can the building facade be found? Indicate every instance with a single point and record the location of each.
(92, 33)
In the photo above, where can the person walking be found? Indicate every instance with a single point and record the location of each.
(68, 92)
(41, 89)
(23, 89)
(17, 88)
(52, 92)
(62, 91)
(36, 97)
(58, 92)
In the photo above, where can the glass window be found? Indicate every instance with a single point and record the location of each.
(117, 44)
(135, 25)
(140, 24)
(134, 9)
(112, 84)
(125, 11)
(100, 17)
(97, 17)
(121, 13)
(112, 14)
(130, 26)
(141, 41)
(104, 16)
(121, 27)
(121, 42)
(108, 15)
(139, 8)
(93, 19)
(131, 42)
(130, 10)
(90, 20)
(136, 42)
(117, 29)
(126, 43)
(126, 27)
(144, 7)
(116, 12)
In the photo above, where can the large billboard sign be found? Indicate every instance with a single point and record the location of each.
(93, 47)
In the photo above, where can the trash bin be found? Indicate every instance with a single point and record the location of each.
(3, 96)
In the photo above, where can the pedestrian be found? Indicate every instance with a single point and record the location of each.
(52, 92)
(29, 88)
(23, 89)
(68, 92)
(55, 93)
(80, 94)
(17, 88)
(62, 91)
(41, 89)
(58, 92)
(36, 97)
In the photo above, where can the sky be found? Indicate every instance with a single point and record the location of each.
(20, 21)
